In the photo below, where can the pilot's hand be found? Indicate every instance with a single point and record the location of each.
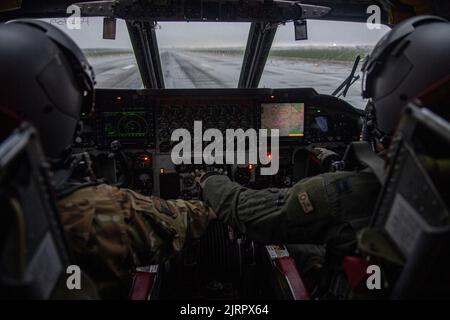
(201, 175)
(326, 157)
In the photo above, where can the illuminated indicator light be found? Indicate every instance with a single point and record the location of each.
(269, 155)
(250, 167)
(296, 135)
(118, 98)
(318, 110)
(146, 158)
(83, 114)
(272, 97)
(161, 170)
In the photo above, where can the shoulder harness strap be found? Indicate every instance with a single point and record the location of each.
(360, 152)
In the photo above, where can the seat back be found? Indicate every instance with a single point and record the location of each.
(412, 212)
(33, 251)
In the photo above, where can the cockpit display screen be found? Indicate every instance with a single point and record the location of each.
(125, 124)
(289, 118)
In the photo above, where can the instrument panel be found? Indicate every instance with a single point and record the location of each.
(221, 113)
(135, 126)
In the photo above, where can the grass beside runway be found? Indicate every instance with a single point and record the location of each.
(331, 53)
(327, 54)
(323, 53)
(91, 52)
(220, 51)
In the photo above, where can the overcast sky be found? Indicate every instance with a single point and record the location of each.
(207, 34)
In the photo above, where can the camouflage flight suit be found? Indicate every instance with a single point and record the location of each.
(112, 230)
(325, 209)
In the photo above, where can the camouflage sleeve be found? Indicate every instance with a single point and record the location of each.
(161, 228)
(112, 230)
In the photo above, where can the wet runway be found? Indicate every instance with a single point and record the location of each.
(187, 69)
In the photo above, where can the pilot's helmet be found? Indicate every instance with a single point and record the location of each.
(413, 58)
(45, 79)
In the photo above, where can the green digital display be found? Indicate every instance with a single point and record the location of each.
(125, 124)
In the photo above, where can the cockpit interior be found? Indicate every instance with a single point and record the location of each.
(128, 136)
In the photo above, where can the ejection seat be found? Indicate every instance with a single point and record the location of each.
(34, 255)
(409, 235)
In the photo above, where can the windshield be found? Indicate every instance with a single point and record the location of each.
(323, 61)
(201, 55)
(210, 55)
(113, 61)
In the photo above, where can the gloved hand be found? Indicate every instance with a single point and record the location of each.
(326, 157)
(202, 175)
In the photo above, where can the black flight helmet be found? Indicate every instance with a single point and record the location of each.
(45, 79)
(409, 60)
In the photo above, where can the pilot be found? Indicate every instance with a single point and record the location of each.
(330, 208)
(45, 79)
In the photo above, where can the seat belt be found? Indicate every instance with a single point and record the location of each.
(361, 152)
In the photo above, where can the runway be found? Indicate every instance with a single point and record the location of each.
(188, 69)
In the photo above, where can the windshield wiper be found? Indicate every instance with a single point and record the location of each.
(349, 81)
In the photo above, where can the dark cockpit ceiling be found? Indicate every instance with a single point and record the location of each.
(348, 10)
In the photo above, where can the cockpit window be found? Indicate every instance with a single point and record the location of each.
(201, 55)
(113, 61)
(210, 55)
(323, 61)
